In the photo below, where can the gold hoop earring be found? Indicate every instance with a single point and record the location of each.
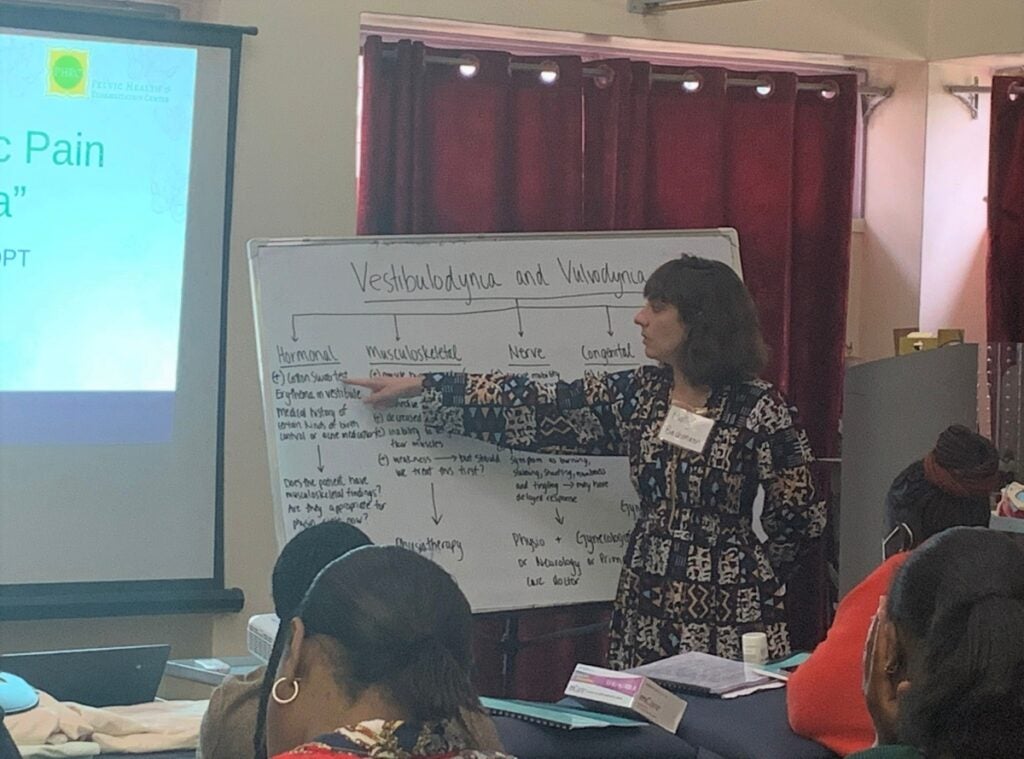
(277, 698)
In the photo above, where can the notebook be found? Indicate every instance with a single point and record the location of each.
(707, 675)
(93, 676)
(554, 715)
(786, 665)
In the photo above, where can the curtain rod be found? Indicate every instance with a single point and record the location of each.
(968, 93)
(955, 89)
(605, 72)
(660, 6)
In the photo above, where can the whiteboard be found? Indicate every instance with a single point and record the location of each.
(516, 530)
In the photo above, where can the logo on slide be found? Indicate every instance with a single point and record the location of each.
(69, 72)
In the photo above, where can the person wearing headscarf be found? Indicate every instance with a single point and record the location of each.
(944, 665)
(950, 486)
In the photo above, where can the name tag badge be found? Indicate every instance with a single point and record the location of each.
(685, 429)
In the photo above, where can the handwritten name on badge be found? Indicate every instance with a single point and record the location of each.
(685, 429)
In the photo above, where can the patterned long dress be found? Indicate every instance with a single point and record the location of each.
(694, 576)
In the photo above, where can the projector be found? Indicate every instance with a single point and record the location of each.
(260, 634)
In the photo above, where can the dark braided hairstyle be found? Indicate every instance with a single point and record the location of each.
(948, 487)
(397, 621)
(958, 607)
(301, 560)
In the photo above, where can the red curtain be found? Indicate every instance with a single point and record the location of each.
(502, 152)
(778, 168)
(497, 152)
(1005, 276)
(442, 153)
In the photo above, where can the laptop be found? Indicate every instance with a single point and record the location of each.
(93, 676)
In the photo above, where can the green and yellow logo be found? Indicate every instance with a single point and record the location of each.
(68, 72)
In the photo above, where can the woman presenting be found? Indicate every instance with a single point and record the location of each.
(701, 433)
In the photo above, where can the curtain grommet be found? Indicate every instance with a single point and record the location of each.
(605, 76)
(549, 72)
(829, 91)
(693, 82)
(470, 66)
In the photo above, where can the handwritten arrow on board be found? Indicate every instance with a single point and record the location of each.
(608, 316)
(558, 517)
(436, 519)
(295, 337)
(397, 336)
(319, 459)
(519, 318)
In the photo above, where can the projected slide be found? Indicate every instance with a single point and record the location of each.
(95, 146)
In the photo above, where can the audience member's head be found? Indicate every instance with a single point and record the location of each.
(950, 487)
(945, 670)
(304, 556)
(301, 560)
(382, 634)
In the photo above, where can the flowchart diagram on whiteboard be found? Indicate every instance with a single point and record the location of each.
(515, 529)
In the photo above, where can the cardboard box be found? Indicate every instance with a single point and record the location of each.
(623, 692)
(910, 340)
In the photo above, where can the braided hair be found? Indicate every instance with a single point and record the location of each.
(397, 621)
(948, 487)
(300, 562)
(958, 607)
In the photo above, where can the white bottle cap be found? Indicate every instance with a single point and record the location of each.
(755, 648)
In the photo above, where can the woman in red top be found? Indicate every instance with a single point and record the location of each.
(944, 668)
(949, 487)
(377, 664)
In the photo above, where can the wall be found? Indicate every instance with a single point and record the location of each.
(295, 176)
(956, 182)
(188, 635)
(962, 28)
(855, 294)
(890, 251)
(955, 245)
(924, 242)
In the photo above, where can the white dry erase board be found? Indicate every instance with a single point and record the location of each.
(516, 530)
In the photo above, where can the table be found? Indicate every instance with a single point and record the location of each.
(528, 741)
(189, 669)
(749, 727)
(521, 739)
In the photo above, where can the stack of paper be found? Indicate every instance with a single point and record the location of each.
(707, 675)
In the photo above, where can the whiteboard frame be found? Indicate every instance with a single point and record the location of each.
(256, 245)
